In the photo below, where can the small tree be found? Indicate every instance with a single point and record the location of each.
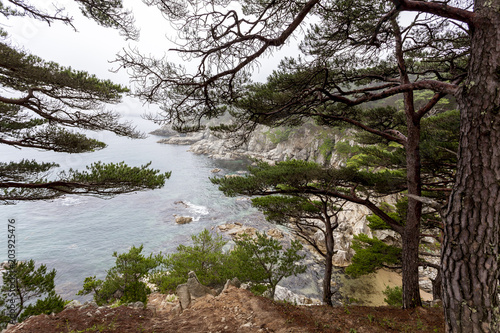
(22, 282)
(123, 281)
(205, 257)
(266, 261)
(307, 215)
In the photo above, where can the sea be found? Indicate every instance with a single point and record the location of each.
(77, 235)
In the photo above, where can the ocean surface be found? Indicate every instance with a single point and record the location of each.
(77, 235)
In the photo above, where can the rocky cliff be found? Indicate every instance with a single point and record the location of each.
(308, 142)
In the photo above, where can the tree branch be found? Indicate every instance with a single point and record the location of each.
(436, 8)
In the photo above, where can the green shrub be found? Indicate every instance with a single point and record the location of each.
(53, 303)
(278, 135)
(123, 281)
(393, 296)
(327, 147)
(261, 260)
(264, 260)
(371, 254)
(205, 257)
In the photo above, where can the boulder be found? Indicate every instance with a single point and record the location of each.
(183, 219)
(236, 230)
(284, 294)
(196, 289)
(191, 290)
(231, 283)
(137, 305)
(118, 294)
(184, 296)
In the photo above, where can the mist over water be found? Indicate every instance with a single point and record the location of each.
(77, 235)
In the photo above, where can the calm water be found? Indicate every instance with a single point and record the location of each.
(77, 235)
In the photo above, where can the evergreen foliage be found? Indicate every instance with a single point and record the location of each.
(44, 104)
(261, 261)
(205, 257)
(393, 296)
(22, 283)
(265, 261)
(123, 282)
(372, 254)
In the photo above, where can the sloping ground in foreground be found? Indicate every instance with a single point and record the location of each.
(235, 310)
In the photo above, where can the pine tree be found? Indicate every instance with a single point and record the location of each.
(358, 52)
(41, 102)
(23, 283)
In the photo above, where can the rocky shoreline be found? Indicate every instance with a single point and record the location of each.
(309, 142)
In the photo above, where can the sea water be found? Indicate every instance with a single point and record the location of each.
(77, 235)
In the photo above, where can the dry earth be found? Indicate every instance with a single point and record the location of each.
(235, 310)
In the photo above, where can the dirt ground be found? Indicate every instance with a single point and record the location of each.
(235, 310)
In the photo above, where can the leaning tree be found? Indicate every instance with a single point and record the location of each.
(357, 52)
(283, 194)
(42, 101)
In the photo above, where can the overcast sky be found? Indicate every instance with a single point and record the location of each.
(92, 47)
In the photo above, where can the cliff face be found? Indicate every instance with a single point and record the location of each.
(309, 143)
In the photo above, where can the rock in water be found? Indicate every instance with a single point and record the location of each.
(183, 219)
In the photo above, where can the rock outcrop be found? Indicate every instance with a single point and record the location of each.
(309, 142)
(183, 219)
(191, 290)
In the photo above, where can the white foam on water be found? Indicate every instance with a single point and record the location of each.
(197, 209)
(71, 200)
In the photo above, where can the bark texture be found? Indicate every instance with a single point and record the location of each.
(470, 250)
(327, 279)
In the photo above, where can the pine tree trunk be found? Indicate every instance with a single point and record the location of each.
(411, 234)
(470, 250)
(327, 278)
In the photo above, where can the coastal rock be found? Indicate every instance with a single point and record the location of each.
(236, 230)
(275, 233)
(165, 131)
(183, 139)
(284, 294)
(183, 219)
(308, 142)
